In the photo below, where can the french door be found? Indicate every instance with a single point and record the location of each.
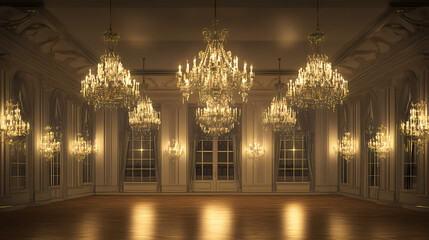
(214, 165)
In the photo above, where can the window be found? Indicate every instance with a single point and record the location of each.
(55, 170)
(410, 166)
(293, 162)
(215, 154)
(204, 160)
(18, 168)
(87, 170)
(225, 159)
(140, 165)
(373, 169)
(344, 170)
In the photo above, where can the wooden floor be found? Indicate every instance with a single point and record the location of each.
(214, 217)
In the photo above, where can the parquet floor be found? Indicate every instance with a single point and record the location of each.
(214, 217)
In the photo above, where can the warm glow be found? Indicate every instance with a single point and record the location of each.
(50, 144)
(416, 128)
(143, 221)
(174, 150)
(294, 221)
(346, 147)
(144, 117)
(216, 222)
(12, 128)
(255, 151)
(82, 148)
(381, 143)
(338, 228)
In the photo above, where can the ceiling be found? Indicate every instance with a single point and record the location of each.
(168, 32)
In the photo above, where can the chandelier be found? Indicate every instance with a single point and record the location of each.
(216, 71)
(317, 85)
(144, 117)
(346, 147)
(13, 129)
(112, 87)
(50, 146)
(82, 148)
(216, 117)
(416, 128)
(174, 150)
(255, 151)
(279, 116)
(380, 143)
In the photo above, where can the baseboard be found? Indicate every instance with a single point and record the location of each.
(106, 189)
(174, 188)
(326, 188)
(256, 188)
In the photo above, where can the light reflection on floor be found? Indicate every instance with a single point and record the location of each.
(216, 222)
(293, 221)
(142, 221)
(214, 217)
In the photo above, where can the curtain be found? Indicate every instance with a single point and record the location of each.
(124, 145)
(237, 163)
(276, 161)
(310, 147)
(191, 166)
(157, 162)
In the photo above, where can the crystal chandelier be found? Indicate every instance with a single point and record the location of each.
(50, 146)
(144, 117)
(346, 147)
(217, 71)
(255, 151)
(13, 129)
(82, 148)
(416, 128)
(174, 150)
(317, 85)
(112, 87)
(279, 116)
(381, 143)
(216, 117)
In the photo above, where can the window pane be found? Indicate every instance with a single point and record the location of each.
(199, 172)
(207, 145)
(208, 157)
(222, 145)
(222, 171)
(231, 156)
(230, 146)
(199, 157)
(230, 172)
(207, 172)
(199, 145)
(222, 157)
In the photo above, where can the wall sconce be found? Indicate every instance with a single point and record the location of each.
(346, 147)
(381, 143)
(13, 129)
(255, 151)
(50, 146)
(174, 150)
(416, 128)
(82, 148)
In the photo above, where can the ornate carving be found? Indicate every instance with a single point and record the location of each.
(39, 27)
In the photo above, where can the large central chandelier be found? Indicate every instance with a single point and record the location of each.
(317, 85)
(13, 129)
(144, 117)
(416, 128)
(381, 143)
(112, 87)
(217, 71)
(346, 147)
(216, 117)
(279, 116)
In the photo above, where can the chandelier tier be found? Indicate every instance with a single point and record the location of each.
(50, 145)
(346, 147)
(416, 128)
(216, 117)
(381, 143)
(82, 148)
(317, 85)
(112, 87)
(13, 129)
(144, 117)
(279, 116)
(217, 71)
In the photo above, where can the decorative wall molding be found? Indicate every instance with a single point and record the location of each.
(399, 32)
(34, 36)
